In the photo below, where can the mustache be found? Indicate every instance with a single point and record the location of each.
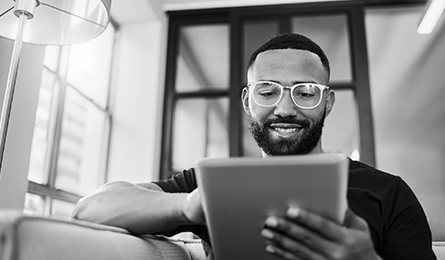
(302, 122)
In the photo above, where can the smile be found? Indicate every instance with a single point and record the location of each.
(285, 130)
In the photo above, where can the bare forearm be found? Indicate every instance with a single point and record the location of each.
(126, 205)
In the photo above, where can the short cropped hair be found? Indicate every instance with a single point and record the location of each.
(292, 41)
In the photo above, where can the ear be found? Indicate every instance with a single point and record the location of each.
(245, 100)
(330, 100)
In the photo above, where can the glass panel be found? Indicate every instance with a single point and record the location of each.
(340, 133)
(89, 66)
(203, 50)
(82, 145)
(255, 34)
(43, 129)
(200, 130)
(51, 58)
(62, 209)
(34, 204)
(250, 148)
(331, 33)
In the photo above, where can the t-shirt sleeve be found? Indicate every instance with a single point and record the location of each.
(407, 234)
(184, 181)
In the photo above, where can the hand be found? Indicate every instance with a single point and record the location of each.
(192, 208)
(305, 235)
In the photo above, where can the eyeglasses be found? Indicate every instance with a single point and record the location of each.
(304, 95)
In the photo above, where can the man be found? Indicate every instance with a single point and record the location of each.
(287, 101)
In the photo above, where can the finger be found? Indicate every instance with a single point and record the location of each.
(192, 208)
(317, 223)
(286, 247)
(296, 232)
(275, 250)
(292, 237)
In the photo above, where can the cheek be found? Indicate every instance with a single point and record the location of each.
(313, 115)
(260, 113)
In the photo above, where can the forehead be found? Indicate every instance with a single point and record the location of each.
(288, 66)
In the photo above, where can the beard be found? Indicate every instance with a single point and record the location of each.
(304, 144)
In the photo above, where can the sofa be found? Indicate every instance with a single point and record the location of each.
(25, 237)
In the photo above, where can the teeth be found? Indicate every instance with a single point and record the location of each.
(285, 130)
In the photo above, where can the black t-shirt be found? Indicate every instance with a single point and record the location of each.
(397, 222)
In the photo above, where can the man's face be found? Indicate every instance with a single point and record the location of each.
(285, 129)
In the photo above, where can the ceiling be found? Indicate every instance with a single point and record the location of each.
(131, 11)
(195, 4)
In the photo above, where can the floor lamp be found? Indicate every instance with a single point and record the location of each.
(45, 22)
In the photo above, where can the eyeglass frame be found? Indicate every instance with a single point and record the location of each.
(291, 88)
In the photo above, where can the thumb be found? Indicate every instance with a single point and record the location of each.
(193, 209)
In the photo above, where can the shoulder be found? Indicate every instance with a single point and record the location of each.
(386, 189)
(365, 177)
(395, 216)
(387, 193)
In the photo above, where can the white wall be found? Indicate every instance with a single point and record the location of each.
(407, 88)
(14, 172)
(137, 102)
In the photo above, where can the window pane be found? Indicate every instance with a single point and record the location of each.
(62, 208)
(34, 204)
(203, 50)
(330, 32)
(43, 130)
(250, 148)
(51, 58)
(200, 130)
(341, 133)
(89, 66)
(82, 145)
(255, 34)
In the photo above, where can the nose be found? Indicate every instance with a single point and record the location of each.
(286, 107)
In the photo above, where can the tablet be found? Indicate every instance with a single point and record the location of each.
(238, 194)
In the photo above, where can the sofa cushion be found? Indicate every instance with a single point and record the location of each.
(29, 237)
(439, 250)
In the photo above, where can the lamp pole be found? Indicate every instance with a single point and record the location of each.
(24, 10)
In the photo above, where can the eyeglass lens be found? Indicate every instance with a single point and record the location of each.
(303, 95)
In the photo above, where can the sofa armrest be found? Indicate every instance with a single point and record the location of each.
(439, 249)
(25, 237)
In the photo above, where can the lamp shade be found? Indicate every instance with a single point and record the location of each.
(57, 22)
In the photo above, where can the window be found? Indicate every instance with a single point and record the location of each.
(73, 120)
(207, 57)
